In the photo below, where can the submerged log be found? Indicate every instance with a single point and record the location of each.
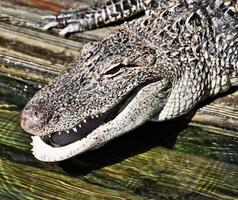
(186, 158)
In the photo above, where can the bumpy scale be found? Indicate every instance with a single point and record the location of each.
(157, 67)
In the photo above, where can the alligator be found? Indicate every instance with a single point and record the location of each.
(153, 68)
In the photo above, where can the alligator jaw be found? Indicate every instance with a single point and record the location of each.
(89, 124)
(139, 110)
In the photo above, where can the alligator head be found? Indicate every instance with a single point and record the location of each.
(114, 86)
(149, 70)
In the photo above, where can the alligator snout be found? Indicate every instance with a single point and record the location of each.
(32, 119)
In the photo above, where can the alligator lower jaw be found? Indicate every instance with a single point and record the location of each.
(44, 152)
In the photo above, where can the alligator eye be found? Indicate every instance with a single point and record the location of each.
(113, 69)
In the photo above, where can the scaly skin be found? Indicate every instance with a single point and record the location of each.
(154, 68)
(82, 19)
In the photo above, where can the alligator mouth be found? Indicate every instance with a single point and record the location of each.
(134, 109)
(88, 125)
(80, 131)
(62, 145)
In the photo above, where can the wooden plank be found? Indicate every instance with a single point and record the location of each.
(19, 181)
(223, 112)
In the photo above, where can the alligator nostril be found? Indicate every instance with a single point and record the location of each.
(31, 119)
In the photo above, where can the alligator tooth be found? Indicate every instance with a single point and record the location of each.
(92, 117)
(49, 136)
(59, 133)
(84, 120)
(96, 116)
(75, 129)
(67, 131)
(79, 125)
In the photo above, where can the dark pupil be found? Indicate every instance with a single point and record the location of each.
(118, 67)
(114, 69)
